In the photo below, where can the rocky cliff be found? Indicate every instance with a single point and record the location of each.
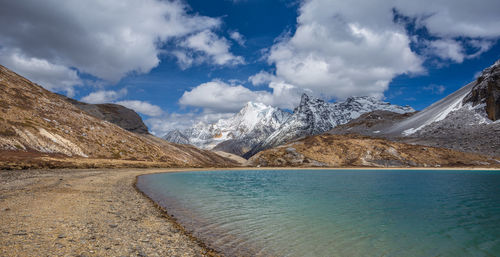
(486, 92)
(119, 115)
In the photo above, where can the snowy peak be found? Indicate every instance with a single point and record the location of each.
(254, 121)
(252, 107)
(177, 137)
(476, 103)
(368, 103)
(315, 116)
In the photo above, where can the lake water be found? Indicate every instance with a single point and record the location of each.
(335, 212)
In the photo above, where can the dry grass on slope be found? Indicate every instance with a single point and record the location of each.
(361, 151)
(35, 120)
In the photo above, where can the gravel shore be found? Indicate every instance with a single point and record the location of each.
(85, 213)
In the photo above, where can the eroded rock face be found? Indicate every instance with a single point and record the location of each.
(487, 91)
(119, 115)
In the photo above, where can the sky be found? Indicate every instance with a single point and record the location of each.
(180, 62)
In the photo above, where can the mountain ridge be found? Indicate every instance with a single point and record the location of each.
(236, 134)
(39, 128)
(315, 116)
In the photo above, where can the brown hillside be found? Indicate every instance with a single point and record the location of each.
(355, 150)
(35, 122)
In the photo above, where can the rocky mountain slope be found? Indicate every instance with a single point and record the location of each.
(360, 151)
(119, 115)
(38, 124)
(314, 116)
(237, 134)
(466, 120)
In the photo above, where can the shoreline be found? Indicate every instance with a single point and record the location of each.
(95, 212)
(86, 213)
(209, 251)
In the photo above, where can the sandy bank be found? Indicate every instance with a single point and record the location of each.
(84, 213)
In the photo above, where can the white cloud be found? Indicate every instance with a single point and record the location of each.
(110, 96)
(104, 96)
(236, 36)
(435, 89)
(447, 49)
(142, 107)
(220, 97)
(159, 126)
(50, 76)
(107, 39)
(262, 78)
(341, 48)
(209, 48)
(454, 18)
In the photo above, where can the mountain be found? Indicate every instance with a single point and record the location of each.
(237, 134)
(371, 124)
(41, 129)
(314, 116)
(486, 92)
(360, 151)
(117, 114)
(466, 120)
(176, 136)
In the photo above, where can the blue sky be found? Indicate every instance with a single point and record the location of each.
(180, 62)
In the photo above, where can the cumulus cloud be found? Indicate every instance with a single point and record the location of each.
(340, 48)
(104, 96)
(107, 39)
(447, 49)
(261, 78)
(142, 107)
(111, 96)
(207, 47)
(219, 97)
(49, 75)
(236, 36)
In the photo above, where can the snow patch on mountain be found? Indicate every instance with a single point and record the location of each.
(314, 116)
(254, 119)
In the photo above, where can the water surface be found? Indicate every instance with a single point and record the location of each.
(336, 212)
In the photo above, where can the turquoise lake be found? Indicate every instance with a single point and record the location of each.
(335, 212)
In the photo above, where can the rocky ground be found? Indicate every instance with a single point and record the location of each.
(362, 151)
(85, 213)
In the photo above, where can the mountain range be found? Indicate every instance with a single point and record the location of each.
(258, 126)
(466, 120)
(41, 129)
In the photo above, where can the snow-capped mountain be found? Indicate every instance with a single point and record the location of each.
(177, 137)
(480, 99)
(240, 132)
(466, 120)
(314, 116)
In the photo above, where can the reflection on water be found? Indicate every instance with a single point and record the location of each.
(336, 213)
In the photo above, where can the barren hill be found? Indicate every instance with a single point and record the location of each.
(39, 128)
(354, 150)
